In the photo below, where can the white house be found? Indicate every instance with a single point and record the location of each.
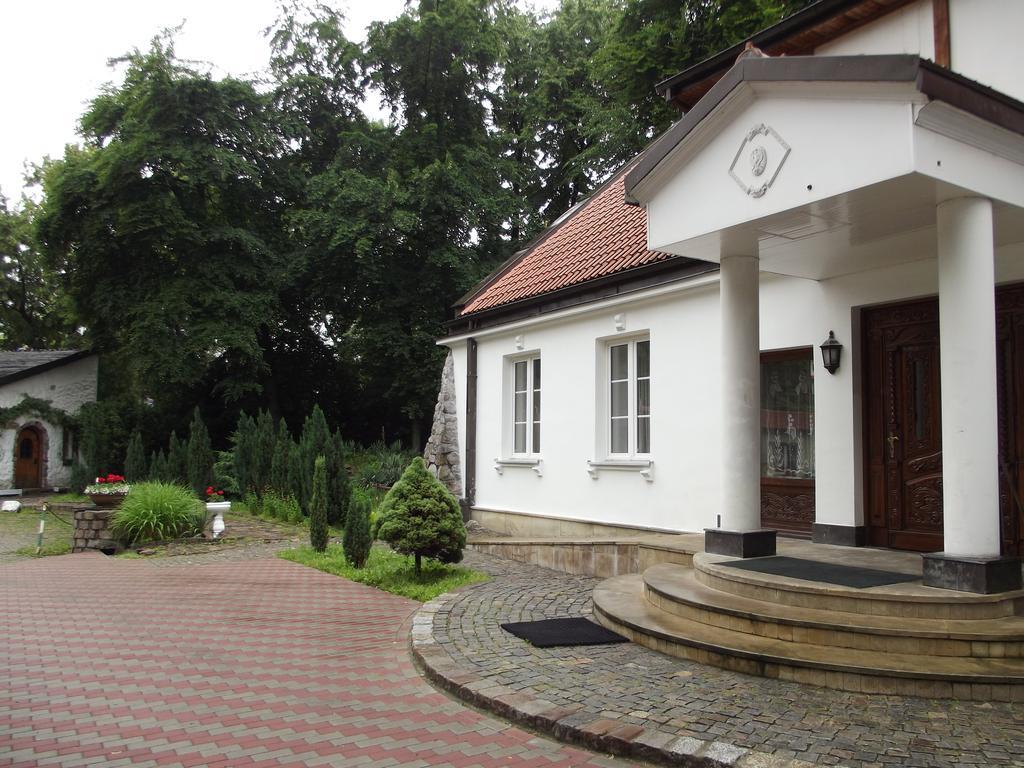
(39, 390)
(652, 360)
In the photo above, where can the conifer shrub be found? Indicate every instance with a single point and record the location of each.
(158, 466)
(357, 540)
(177, 460)
(420, 517)
(156, 511)
(200, 456)
(318, 506)
(135, 468)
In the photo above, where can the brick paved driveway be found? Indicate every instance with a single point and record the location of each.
(261, 663)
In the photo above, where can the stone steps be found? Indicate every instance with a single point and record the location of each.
(679, 591)
(718, 638)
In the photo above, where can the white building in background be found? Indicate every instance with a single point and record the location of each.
(37, 450)
(652, 361)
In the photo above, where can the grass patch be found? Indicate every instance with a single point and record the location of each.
(67, 498)
(58, 547)
(388, 571)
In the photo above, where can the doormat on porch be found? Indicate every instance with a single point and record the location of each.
(551, 632)
(814, 570)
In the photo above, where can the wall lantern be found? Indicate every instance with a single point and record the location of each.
(830, 352)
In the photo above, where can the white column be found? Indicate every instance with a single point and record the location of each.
(967, 351)
(741, 391)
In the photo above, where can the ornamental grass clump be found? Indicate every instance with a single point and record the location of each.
(420, 517)
(158, 512)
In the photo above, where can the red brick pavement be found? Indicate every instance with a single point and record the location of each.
(259, 663)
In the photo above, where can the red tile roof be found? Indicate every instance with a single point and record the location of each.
(601, 237)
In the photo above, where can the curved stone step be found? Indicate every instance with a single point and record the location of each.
(903, 600)
(677, 590)
(619, 605)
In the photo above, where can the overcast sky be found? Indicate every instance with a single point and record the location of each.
(53, 57)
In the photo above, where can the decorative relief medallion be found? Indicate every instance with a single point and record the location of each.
(764, 153)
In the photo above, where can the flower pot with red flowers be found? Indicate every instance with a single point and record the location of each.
(217, 506)
(108, 491)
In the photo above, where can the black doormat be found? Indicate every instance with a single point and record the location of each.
(814, 570)
(552, 632)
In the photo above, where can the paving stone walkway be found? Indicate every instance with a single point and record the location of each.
(265, 663)
(634, 700)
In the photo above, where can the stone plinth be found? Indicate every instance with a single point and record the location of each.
(92, 530)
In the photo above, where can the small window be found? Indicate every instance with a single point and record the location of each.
(69, 446)
(629, 398)
(526, 406)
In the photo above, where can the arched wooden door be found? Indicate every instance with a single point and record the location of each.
(28, 462)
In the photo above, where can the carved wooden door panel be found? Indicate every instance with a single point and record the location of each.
(1010, 392)
(905, 429)
(27, 463)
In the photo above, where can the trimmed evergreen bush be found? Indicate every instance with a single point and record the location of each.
(158, 512)
(135, 469)
(158, 466)
(357, 540)
(420, 517)
(280, 463)
(200, 456)
(318, 506)
(177, 460)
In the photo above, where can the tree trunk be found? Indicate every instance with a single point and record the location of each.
(417, 563)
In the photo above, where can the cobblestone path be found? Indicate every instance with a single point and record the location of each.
(633, 685)
(227, 664)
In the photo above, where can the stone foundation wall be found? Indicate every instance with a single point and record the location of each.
(92, 530)
(442, 452)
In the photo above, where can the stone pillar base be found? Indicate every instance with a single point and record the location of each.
(757, 543)
(981, 575)
(840, 535)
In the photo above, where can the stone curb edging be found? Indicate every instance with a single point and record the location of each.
(571, 723)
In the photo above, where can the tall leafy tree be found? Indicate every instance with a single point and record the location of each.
(166, 225)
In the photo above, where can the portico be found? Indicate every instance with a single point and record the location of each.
(850, 172)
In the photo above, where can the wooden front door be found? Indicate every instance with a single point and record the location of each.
(903, 423)
(28, 459)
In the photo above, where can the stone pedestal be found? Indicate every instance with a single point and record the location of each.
(92, 530)
(442, 452)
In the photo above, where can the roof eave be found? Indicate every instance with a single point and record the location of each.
(43, 367)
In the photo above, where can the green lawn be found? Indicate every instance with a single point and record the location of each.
(18, 533)
(389, 571)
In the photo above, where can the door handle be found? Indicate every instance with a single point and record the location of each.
(892, 440)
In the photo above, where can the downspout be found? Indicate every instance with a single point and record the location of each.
(470, 498)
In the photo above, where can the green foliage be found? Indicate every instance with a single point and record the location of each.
(158, 466)
(155, 511)
(357, 540)
(224, 473)
(104, 436)
(280, 507)
(384, 465)
(315, 442)
(177, 460)
(200, 456)
(35, 406)
(318, 506)
(389, 571)
(244, 448)
(280, 463)
(135, 468)
(420, 517)
(264, 438)
(81, 475)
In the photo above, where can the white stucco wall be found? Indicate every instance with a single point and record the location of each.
(907, 30)
(67, 387)
(684, 330)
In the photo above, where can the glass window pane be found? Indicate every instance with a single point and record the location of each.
(536, 437)
(520, 440)
(787, 417)
(536, 373)
(536, 405)
(643, 435)
(619, 362)
(620, 436)
(643, 397)
(643, 359)
(620, 398)
(521, 376)
(520, 406)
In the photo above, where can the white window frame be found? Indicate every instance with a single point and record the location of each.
(531, 450)
(632, 416)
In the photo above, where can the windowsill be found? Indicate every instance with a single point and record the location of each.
(527, 463)
(644, 467)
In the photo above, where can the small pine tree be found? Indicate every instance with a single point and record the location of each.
(315, 440)
(158, 467)
(200, 456)
(264, 437)
(339, 489)
(420, 517)
(280, 464)
(318, 506)
(177, 460)
(135, 460)
(242, 442)
(357, 540)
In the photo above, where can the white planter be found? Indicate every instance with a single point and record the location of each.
(218, 508)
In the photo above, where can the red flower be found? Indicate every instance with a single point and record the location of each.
(220, 493)
(209, 490)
